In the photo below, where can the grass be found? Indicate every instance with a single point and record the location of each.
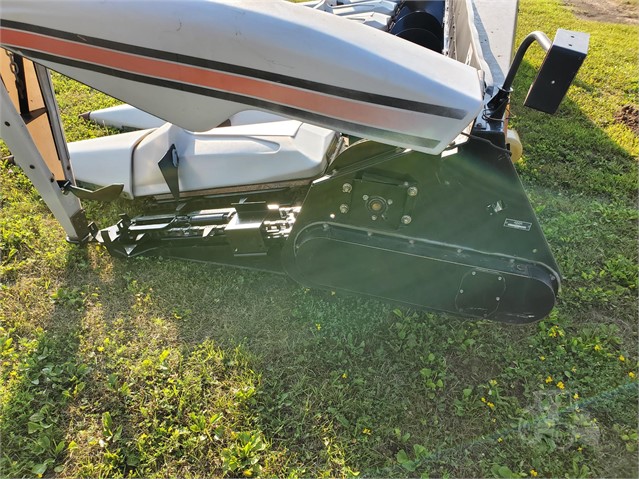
(160, 368)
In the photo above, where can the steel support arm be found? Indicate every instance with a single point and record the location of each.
(67, 209)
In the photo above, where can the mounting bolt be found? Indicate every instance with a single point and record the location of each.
(347, 187)
(374, 217)
(365, 197)
(389, 201)
(343, 208)
(406, 219)
(412, 191)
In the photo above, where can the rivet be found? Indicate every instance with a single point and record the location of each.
(365, 197)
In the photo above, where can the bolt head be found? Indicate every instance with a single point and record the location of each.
(343, 208)
(406, 219)
(347, 187)
(412, 191)
(365, 197)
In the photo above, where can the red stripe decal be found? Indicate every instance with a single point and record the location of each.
(340, 108)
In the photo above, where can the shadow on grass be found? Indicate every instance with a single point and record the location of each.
(35, 415)
(568, 152)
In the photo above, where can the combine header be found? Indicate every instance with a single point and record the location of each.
(355, 145)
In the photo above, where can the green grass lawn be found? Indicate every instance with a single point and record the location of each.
(158, 368)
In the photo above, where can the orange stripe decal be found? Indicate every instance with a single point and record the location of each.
(379, 116)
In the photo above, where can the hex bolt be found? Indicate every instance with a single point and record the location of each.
(343, 208)
(412, 191)
(497, 298)
(406, 219)
(474, 273)
(365, 197)
(389, 201)
(347, 187)
(374, 217)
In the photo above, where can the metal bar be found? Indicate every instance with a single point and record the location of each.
(46, 87)
(498, 103)
(66, 208)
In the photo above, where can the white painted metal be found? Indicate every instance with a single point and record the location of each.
(496, 34)
(128, 117)
(379, 6)
(26, 155)
(275, 37)
(125, 117)
(378, 21)
(229, 156)
(106, 160)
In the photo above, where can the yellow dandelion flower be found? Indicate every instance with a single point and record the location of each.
(366, 431)
(575, 396)
(597, 347)
(500, 439)
(318, 326)
(483, 399)
(548, 379)
(580, 448)
(632, 375)
(560, 385)
(247, 472)
(533, 473)
(490, 405)
(543, 358)
(344, 376)
(621, 358)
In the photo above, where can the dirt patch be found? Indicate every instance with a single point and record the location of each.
(611, 11)
(629, 116)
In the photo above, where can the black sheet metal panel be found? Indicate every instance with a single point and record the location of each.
(467, 241)
(567, 52)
